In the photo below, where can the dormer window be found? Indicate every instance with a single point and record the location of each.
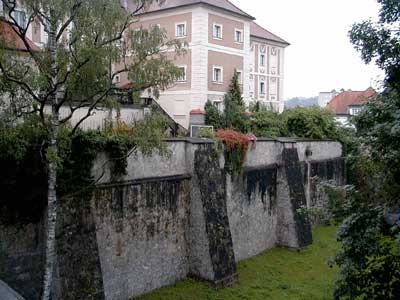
(217, 31)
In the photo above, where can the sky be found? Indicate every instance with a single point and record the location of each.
(320, 57)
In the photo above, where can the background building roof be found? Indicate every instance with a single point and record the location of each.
(10, 40)
(340, 104)
(222, 4)
(260, 32)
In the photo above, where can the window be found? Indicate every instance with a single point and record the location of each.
(20, 17)
(240, 76)
(219, 105)
(182, 78)
(217, 31)
(262, 88)
(238, 36)
(218, 74)
(262, 60)
(355, 111)
(181, 30)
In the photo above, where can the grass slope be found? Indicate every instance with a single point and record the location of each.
(278, 274)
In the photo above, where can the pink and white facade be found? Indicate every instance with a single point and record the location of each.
(221, 38)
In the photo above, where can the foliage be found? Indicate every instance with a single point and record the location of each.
(313, 122)
(278, 274)
(75, 70)
(369, 258)
(23, 181)
(266, 123)
(234, 116)
(380, 41)
(206, 133)
(367, 247)
(23, 178)
(213, 117)
(236, 146)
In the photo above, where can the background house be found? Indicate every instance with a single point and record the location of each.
(349, 103)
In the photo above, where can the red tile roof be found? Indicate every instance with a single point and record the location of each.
(260, 32)
(11, 41)
(222, 4)
(126, 86)
(197, 112)
(340, 104)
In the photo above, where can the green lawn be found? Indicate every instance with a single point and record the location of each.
(278, 274)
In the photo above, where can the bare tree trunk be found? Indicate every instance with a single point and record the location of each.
(52, 155)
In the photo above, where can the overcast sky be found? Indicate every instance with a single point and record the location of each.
(320, 57)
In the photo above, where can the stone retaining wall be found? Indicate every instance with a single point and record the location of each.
(175, 216)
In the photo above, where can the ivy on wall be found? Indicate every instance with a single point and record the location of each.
(23, 176)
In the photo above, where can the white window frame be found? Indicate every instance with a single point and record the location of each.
(261, 90)
(214, 77)
(184, 30)
(213, 31)
(184, 79)
(262, 63)
(22, 12)
(219, 104)
(241, 36)
(240, 72)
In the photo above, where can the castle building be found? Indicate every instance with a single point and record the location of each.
(220, 38)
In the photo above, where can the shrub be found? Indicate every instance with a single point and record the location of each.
(206, 133)
(266, 123)
(314, 123)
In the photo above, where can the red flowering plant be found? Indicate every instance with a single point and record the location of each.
(236, 146)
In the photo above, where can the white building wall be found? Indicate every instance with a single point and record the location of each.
(199, 58)
(246, 64)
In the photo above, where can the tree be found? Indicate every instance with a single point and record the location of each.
(369, 258)
(234, 108)
(74, 70)
(213, 116)
(313, 122)
(266, 123)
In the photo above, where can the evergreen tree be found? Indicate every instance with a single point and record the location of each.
(213, 117)
(234, 108)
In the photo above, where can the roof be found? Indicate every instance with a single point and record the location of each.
(197, 112)
(262, 33)
(12, 41)
(222, 4)
(340, 104)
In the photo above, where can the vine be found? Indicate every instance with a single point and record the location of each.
(23, 177)
(236, 146)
